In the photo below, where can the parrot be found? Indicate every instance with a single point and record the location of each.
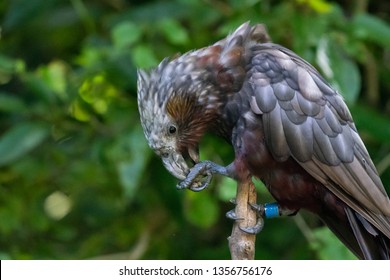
(287, 127)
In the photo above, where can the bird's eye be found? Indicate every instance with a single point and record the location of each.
(172, 129)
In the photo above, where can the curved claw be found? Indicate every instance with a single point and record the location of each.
(193, 184)
(232, 215)
(257, 228)
(204, 184)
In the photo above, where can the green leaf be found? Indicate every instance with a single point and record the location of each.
(20, 140)
(21, 13)
(131, 153)
(320, 6)
(11, 103)
(144, 56)
(371, 28)
(11, 65)
(174, 32)
(227, 189)
(54, 77)
(8, 67)
(341, 71)
(201, 209)
(125, 34)
(370, 121)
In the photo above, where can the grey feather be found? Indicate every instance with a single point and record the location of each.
(298, 137)
(323, 149)
(340, 108)
(343, 145)
(266, 99)
(332, 120)
(283, 92)
(294, 117)
(325, 127)
(308, 108)
(275, 135)
(292, 83)
(295, 104)
(323, 86)
(286, 105)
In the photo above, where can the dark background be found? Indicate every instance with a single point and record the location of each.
(77, 179)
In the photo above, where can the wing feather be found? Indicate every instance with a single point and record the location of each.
(298, 137)
(275, 135)
(306, 119)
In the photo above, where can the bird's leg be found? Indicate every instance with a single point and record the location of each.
(201, 174)
(274, 209)
(267, 211)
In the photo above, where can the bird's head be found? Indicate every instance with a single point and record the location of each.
(182, 98)
(173, 111)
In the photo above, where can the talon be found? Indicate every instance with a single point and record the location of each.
(233, 201)
(232, 215)
(199, 186)
(256, 228)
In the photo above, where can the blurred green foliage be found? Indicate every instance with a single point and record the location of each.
(77, 179)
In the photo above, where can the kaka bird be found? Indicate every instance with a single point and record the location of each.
(288, 127)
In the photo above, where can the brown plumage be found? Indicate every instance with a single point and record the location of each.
(287, 126)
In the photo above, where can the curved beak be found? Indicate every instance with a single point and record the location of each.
(176, 163)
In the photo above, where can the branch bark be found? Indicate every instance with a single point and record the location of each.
(241, 244)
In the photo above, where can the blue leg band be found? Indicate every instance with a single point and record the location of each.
(271, 210)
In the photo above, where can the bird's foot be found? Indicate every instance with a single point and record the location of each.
(268, 210)
(263, 211)
(200, 176)
(257, 228)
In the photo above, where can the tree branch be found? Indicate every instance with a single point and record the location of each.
(241, 244)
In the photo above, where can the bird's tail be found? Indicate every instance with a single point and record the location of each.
(372, 243)
(362, 238)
